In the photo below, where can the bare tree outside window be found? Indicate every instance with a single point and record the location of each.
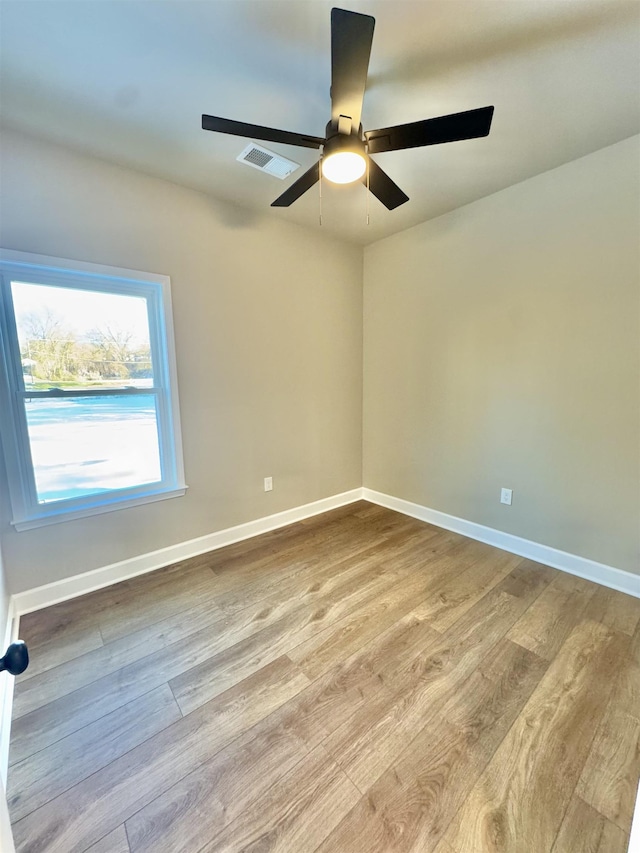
(49, 345)
(52, 352)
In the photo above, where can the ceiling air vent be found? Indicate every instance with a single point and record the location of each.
(259, 158)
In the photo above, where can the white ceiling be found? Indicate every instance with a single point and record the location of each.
(128, 80)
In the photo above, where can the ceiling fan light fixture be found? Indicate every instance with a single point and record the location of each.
(343, 167)
(345, 148)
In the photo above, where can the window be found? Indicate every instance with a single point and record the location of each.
(89, 406)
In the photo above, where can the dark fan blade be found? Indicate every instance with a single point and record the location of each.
(431, 131)
(383, 187)
(351, 38)
(299, 187)
(255, 131)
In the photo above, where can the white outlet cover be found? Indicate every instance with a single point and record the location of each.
(506, 496)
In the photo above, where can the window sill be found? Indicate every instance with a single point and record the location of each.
(54, 517)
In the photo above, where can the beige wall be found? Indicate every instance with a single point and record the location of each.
(268, 321)
(502, 349)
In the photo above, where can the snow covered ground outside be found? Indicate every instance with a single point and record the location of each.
(87, 445)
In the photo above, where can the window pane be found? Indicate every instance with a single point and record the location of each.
(73, 338)
(85, 445)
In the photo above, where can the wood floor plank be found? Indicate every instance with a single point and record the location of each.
(44, 626)
(346, 534)
(110, 617)
(528, 577)
(60, 649)
(311, 576)
(199, 683)
(203, 803)
(296, 814)
(349, 685)
(443, 847)
(479, 570)
(60, 718)
(396, 813)
(127, 614)
(370, 511)
(410, 806)
(609, 778)
(281, 541)
(85, 813)
(309, 716)
(62, 765)
(321, 652)
(114, 842)
(38, 729)
(535, 769)
(584, 830)
(364, 744)
(137, 645)
(334, 697)
(615, 609)
(88, 667)
(494, 692)
(388, 651)
(551, 618)
(635, 645)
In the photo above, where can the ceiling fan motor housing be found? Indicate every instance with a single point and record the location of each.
(337, 142)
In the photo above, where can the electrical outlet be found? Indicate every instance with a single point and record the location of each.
(505, 496)
(268, 484)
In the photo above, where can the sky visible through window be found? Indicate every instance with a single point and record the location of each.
(82, 310)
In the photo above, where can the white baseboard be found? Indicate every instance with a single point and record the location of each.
(54, 593)
(608, 576)
(62, 590)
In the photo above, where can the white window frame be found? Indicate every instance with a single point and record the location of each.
(156, 289)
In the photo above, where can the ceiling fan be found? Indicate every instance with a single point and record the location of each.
(346, 150)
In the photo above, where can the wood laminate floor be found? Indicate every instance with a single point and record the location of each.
(359, 682)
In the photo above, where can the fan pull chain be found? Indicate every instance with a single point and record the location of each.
(320, 185)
